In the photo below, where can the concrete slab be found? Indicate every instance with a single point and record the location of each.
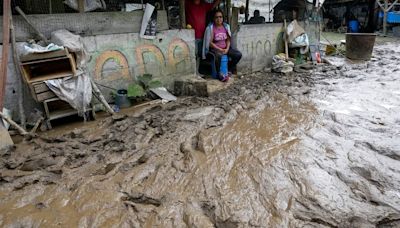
(196, 86)
(5, 138)
(214, 85)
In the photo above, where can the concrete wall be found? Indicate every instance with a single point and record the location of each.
(258, 43)
(11, 93)
(117, 59)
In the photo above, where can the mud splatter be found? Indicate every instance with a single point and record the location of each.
(318, 149)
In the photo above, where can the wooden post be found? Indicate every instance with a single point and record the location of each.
(235, 19)
(228, 11)
(286, 40)
(182, 13)
(246, 16)
(386, 8)
(50, 8)
(371, 26)
(385, 18)
(6, 45)
(81, 6)
(97, 93)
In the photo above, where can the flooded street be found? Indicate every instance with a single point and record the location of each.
(319, 149)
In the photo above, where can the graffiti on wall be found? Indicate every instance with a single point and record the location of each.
(120, 67)
(111, 65)
(258, 48)
(258, 45)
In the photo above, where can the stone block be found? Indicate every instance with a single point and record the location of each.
(191, 87)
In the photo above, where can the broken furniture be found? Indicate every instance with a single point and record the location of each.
(55, 108)
(40, 67)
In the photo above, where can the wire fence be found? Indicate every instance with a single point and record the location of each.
(70, 6)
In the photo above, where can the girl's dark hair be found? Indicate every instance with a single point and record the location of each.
(218, 11)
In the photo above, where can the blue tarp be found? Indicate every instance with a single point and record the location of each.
(393, 17)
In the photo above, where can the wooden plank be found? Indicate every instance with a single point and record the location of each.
(44, 60)
(60, 74)
(41, 56)
(392, 5)
(73, 64)
(95, 23)
(42, 70)
(81, 6)
(40, 87)
(44, 96)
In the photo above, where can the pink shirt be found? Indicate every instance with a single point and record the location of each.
(220, 36)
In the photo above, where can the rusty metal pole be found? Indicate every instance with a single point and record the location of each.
(4, 56)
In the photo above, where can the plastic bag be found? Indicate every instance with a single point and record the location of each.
(90, 5)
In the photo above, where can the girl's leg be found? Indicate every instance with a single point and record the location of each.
(234, 56)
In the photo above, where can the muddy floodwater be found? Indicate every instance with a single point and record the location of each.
(317, 149)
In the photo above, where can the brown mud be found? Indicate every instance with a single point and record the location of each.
(318, 149)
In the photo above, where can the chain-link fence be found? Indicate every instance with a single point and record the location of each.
(70, 6)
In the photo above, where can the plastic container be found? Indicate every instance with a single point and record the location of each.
(121, 99)
(354, 26)
(224, 65)
(359, 46)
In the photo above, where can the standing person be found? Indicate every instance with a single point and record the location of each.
(217, 42)
(196, 12)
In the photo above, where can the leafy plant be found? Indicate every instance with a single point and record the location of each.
(135, 90)
(143, 85)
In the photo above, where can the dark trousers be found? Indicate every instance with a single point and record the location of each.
(234, 57)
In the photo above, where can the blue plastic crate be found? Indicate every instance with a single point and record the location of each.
(393, 17)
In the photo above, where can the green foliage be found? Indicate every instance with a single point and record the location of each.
(135, 90)
(144, 80)
(154, 84)
(144, 83)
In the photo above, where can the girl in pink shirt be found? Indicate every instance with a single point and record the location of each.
(220, 44)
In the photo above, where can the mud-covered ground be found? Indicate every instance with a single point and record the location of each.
(318, 149)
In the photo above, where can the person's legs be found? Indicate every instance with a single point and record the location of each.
(198, 52)
(234, 56)
(198, 47)
(217, 59)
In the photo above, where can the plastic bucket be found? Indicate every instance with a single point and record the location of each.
(354, 26)
(359, 46)
(121, 99)
(224, 65)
